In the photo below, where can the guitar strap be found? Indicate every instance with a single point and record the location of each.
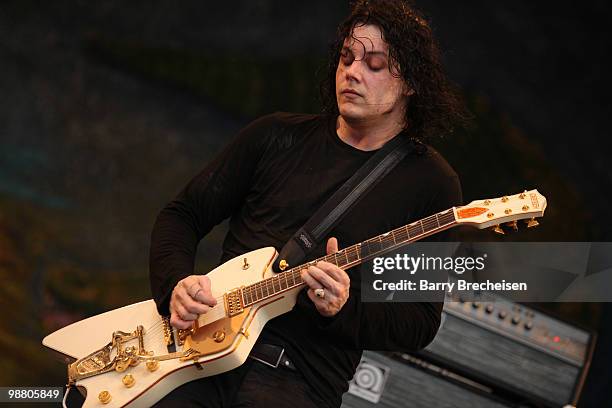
(312, 233)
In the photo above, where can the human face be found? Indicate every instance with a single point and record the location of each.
(366, 89)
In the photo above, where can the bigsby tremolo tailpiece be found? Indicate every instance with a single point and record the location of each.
(100, 361)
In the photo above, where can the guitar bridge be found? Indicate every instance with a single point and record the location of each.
(233, 302)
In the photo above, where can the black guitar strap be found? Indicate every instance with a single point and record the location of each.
(316, 229)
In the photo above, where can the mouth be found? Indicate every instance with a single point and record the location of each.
(350, 91)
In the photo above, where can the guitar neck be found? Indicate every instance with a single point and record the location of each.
(352, 255)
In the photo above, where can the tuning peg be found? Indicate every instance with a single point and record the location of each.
(532, 223)
(497, 229)
(513, 225)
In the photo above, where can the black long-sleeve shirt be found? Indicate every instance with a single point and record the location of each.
(269, 180)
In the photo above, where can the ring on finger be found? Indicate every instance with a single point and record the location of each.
(320, 293)
(196, 293)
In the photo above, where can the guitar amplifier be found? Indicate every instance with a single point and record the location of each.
(404, 381)
(489, 353)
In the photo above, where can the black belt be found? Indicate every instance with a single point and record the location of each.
(271, 355)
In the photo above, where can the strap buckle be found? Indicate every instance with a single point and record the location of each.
(271, 362)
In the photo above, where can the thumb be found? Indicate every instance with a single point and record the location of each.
(332, 245)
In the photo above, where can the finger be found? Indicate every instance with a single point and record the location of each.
(315, 299)
(206, 296)
(325, 280)
(332, 245)
(310, 281)
(193, 306)
(189, 284)
(336, 273)
(183, 314)
(321, 304)
(176, 321)
(204, 299)
(182, 297)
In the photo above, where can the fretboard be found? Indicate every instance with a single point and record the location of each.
(351, 256)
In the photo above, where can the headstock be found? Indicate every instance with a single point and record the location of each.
(506, 210)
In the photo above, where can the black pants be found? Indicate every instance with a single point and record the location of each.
(251, 385)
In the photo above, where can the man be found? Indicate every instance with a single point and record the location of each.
(385, 81)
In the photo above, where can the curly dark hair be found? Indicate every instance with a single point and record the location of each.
(436, 108)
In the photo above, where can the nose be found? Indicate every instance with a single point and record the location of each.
(354, 70)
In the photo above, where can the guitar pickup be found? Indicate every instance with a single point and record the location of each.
(233, 302)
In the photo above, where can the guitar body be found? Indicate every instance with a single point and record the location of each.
(221, 343)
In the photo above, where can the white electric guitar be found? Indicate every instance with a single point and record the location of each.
(131, 356)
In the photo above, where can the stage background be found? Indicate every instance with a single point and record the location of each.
(108, 108)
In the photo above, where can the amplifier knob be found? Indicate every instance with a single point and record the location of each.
(528, 325)
(489, 308)
(516, 319)
(502, 314)
(476, 305)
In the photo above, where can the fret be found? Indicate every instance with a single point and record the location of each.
(401, 234)
(448, 216)
(247, 295)
(346, 257)
(352, 254)
(413, 230)
(386, 240)
(295, 277)
(298, 278)
(259, 286)
(266, 285)
(336, 262)
(271, 286)
(291, 278)
(377, 244)
(431, 223)
(253, 294)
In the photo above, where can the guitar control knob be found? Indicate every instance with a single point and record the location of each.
(502, 314)
(128, 380)
(516, 319)
(489, 308)
(104, 397)
(528, 325)
(219, 336)
(152, 365)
